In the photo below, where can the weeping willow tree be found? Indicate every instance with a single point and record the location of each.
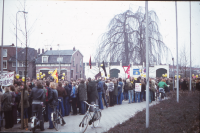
(125, 39)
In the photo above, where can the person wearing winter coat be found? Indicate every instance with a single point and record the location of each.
(128, 87)
(52, 101)
(119, 96)
(14, 106)
(67, 98)
(7, 108)
(82, 89)
(104, 92)
(110, 85)
(61, 93)
(38, 96)
(115, 92)
(26, 105)
(92, 91)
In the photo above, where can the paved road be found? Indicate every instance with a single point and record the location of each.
(111, 116)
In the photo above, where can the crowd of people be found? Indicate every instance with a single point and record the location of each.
(69, 96)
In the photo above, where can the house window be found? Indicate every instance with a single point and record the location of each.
(4, 52)
(72, 74)
(76, 67)
(13, 64)
(20, 64)
(73, 62)
(22, 73)
(60, 59)
(44, 59)
(81, 63)
(4, 64)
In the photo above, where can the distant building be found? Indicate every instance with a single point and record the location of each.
(8, 51)
(71, 63)
(21, 58)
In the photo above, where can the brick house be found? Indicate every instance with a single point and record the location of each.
(31, 68)
(8, 51)
(71, 63)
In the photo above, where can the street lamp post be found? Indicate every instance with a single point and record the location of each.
(173, 72)
(16, 37)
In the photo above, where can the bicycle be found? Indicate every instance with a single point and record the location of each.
(35, 123)
(57, 119)
(94, 120)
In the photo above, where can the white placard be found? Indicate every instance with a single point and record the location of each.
(6, 79)
(138, 87)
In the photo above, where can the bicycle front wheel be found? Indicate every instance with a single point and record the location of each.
(97, 117)
(56, 121)
(84, 124)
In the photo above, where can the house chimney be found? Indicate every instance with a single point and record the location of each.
(74, 49)
(42, 51)
(12, 44)
(35, 53)
(50, 48)
(39, 51)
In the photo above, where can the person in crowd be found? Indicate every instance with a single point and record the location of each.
(115, 92)
(38, 96)
(104, 92)
(153, 89)
(161, 85)
(1, 97)
(61, 93)
(67, 98)
(198, 84)
(52, 101)
(82, 89)
(137, 93)
(70, 101)
(46, 119)
(170, 85)
(92, 92)
(128, 87)
(110, 85)
(100, 90)
(0, 89)
(74, 98)
(7, 108)
(14, 106)
(26, 105)
(184, 85)
(193, 85)
(119, 96)
(143, 88)
(125, 91)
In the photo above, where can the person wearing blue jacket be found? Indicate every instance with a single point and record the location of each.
(74, 98)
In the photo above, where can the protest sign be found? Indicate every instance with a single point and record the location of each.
(137, 87)
(7, 79)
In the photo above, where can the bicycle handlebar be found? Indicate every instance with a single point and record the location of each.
(91, 105)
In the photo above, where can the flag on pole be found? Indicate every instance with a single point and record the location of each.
(104, 68)
(90, 64)
(55, 75)
(98, 75)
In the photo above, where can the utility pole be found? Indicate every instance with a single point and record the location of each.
(177, 54)
(2, 40)
(147, 67)
(190, 52)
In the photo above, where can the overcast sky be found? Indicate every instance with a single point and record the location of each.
(81, 23)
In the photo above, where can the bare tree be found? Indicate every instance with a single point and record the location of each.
(125, 39)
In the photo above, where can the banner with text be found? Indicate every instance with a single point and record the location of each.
(6, 79)
(137, 87)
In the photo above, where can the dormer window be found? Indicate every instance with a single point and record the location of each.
(44, 59)
(60, 59)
